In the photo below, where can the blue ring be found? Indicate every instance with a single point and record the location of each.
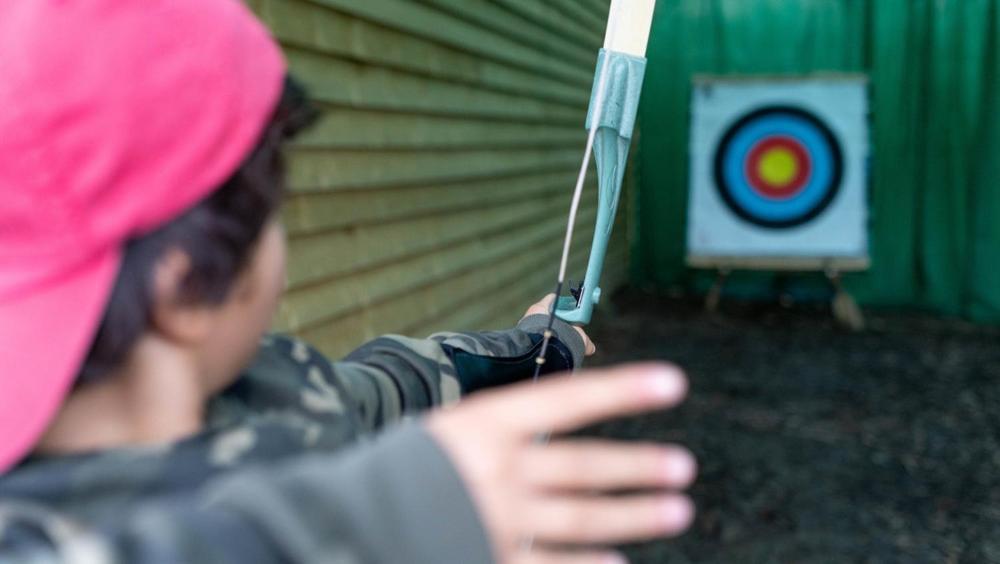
(739, 151)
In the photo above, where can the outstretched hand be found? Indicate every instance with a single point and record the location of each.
(563, 493)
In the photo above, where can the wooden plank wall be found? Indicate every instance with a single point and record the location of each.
(433, 195)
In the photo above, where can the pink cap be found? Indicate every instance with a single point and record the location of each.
(115, 117)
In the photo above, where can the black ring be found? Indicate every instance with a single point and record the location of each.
(831, 190)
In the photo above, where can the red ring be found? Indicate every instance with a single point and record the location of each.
(764, 187)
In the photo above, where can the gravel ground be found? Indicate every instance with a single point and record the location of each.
(820, 445)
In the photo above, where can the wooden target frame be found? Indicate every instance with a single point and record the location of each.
(779, 171)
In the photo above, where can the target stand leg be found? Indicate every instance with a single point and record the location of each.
(714, 297)
(845, 308)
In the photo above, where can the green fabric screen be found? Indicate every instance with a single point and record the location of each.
(935, 177)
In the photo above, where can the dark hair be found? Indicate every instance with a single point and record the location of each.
(219, 235)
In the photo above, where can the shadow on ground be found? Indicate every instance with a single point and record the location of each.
(819, 445)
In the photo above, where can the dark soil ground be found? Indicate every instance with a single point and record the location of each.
(820, 445)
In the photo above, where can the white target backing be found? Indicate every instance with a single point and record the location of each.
(778, 170)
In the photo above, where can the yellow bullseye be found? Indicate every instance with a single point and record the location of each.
(778, 167)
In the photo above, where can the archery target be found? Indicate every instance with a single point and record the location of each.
(778, 169)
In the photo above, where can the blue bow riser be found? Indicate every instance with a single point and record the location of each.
(620, 107)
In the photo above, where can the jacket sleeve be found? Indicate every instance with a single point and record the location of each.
(393, 377)
(396, 499)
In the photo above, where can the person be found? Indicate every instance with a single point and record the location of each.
(145, 414)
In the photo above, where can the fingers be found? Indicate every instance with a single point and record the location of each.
(605, 465)
(608, 520)
(542, 557)
(568, 403)
(550, 495)
(544, 307)
(589, 348)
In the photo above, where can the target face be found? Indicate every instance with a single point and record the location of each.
(778, 171)
(778, 167)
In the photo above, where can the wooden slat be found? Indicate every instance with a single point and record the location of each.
(351, 128)
(779, 263)
(527, 31)
(310, 213)
(323, 171)
(430, 24)
(582, 15)
(599, 8)
(355, 85)
(554, 20)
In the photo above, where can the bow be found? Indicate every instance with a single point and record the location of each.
(614, 104)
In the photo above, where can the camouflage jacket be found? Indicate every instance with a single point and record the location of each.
(301, 460)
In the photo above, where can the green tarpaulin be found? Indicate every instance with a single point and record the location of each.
(935, 178)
